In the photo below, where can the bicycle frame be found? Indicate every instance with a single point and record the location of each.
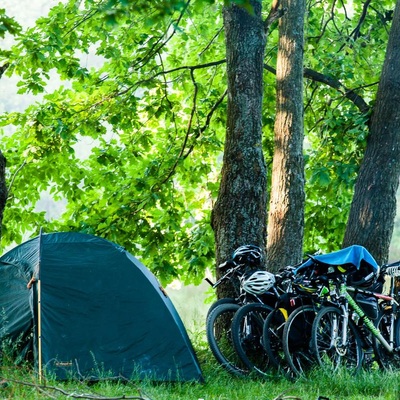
(237, 271)
(347, 301)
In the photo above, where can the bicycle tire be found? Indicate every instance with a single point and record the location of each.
(326, 341)
(389, 361)
(224, 300)
(296, 339)
(272, 340)
(219, 337)
(247, 336)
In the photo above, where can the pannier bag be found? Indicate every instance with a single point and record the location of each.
(368, 304)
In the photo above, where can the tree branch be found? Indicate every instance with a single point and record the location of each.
(14, 176)
(188, 131)
(211, 41)
(208, 120)
(3, 69)
(159, 44)
(45, 389)
(350, 94)
(356, 31)
(275, 13)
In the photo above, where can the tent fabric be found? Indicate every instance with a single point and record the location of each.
(102, 312)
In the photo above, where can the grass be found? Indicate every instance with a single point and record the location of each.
(22, 383)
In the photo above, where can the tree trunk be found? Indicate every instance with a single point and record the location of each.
(3, 188)
(373, 210)
(286, 209)
(239, 214)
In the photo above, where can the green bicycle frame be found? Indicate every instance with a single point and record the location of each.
(368, 323)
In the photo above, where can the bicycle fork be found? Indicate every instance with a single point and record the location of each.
(341, 342)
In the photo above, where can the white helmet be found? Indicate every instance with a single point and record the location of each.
(259, 282)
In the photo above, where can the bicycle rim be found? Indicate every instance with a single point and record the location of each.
(327, 345)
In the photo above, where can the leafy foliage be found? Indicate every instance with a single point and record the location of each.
(128, 128)
(8, 24)
(149, 171)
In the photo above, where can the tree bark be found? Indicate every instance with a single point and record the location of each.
(239, 214)
(3, 188)
(286, 209)
(373, 209)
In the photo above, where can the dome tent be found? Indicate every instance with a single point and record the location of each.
(92, 311)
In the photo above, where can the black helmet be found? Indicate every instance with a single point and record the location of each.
(365, 277)
(248, 254)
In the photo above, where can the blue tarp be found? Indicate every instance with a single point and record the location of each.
(355, 256)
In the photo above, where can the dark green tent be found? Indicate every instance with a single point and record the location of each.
(92, 311)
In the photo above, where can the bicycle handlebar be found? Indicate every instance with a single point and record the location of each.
(392, 269)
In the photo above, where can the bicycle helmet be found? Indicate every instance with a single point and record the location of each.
(248, 254)
(365, 277)
(304, 283)
(259, 282)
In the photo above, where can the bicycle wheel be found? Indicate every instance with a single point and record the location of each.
(224, 300)
(272, 337)
(296, 339)
(387, 360)
(327, 341)
(219, 337)
(272, 340)
(247, 336)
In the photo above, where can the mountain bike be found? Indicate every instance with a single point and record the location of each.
(219, 319)
(258, 342)
(245, 260)
(338, 329)
(287, 329)
(316, 274)
(234, 343)
(248, 322)
(221, 313)
(388, 321)
(297, 330)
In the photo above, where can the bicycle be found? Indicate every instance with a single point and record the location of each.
(287, 329)
(275, 322)
(311, 295)
(245, 261)
(338, 330)
(248, 322)
(315, 279)
(387, 321)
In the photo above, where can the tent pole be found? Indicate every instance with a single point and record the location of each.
(39, 293)
(39, 330)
